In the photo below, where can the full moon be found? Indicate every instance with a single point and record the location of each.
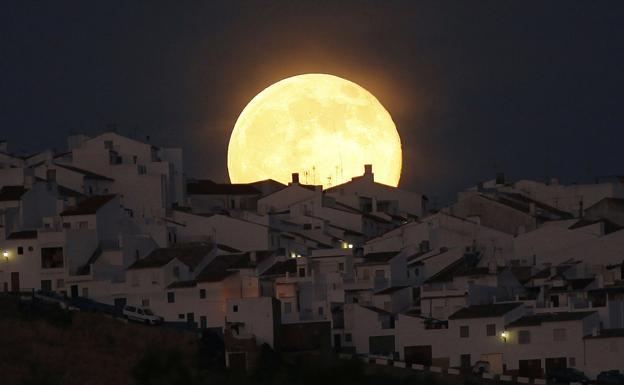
(321, 126)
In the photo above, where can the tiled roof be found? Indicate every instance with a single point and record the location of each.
(88, 206)
(208, 187)
(485, 311)
(282, 267)
(538, 319)
(11, 193)
(87, 174)
(191, 255)
(27, 234)
(214, 276)
(390, 290)
(378, 258)
(377, 310)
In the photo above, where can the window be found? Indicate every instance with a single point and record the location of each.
(524, 337)
(145, 302)
(85, 292)
(490, 330)
(235, 308)
(572, 361)
(341, 266)
(51, 257)
(203, 322)
(46, 285)
(307, 226)
(142, 170)
(20, 250)
(302, 272)
(171, 297)
(30, 248)
(464, 332)
(347, 337)
(287, 307)
(83, 225)
(180, 316)
(202, 293)
(66, 225)
(559, 335)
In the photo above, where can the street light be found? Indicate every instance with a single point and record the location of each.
(5, 254)
(504, 336)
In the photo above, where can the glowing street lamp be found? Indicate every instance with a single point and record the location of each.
(5, 254)
(504, 336)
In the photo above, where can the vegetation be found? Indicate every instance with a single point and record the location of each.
(49, 346)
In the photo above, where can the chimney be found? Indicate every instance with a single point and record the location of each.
(295, 178)
(368, 169)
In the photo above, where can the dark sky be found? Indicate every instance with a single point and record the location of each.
(531, 88)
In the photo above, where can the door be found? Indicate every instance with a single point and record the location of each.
(418, 355)
(465, 361)
(530, 368)
(556, 363)
(496, 362)
(74, 291)
(202, 322)
(337, 342)
(190, 318)
(15, 283)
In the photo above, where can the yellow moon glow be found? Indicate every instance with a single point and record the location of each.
(322, 126)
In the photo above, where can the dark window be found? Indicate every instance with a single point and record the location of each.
(20, 250)
(340, 266)
(171, 297)
(465, 361)
(30, 248)
(302, 271)
(66, 225)
(202, 293)
(181, 316)
(235, 308)
(46, 285)
(307, 226)
(51, 257)
(490, 330)
(203, 322)
(321, 310)
(524, 337)
(464, 332)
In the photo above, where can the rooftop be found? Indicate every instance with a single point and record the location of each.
(189, 254)
(208, 187)
(26, 234)
(538, 319)
(485, 311)
(89, 206)
(87, 174)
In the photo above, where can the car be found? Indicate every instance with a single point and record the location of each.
(566, 376)
(481, 367)
(141, 314)
(610, 377)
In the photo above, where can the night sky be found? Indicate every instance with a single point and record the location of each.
(531, 88)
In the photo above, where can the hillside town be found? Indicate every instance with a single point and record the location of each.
(522, 277)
